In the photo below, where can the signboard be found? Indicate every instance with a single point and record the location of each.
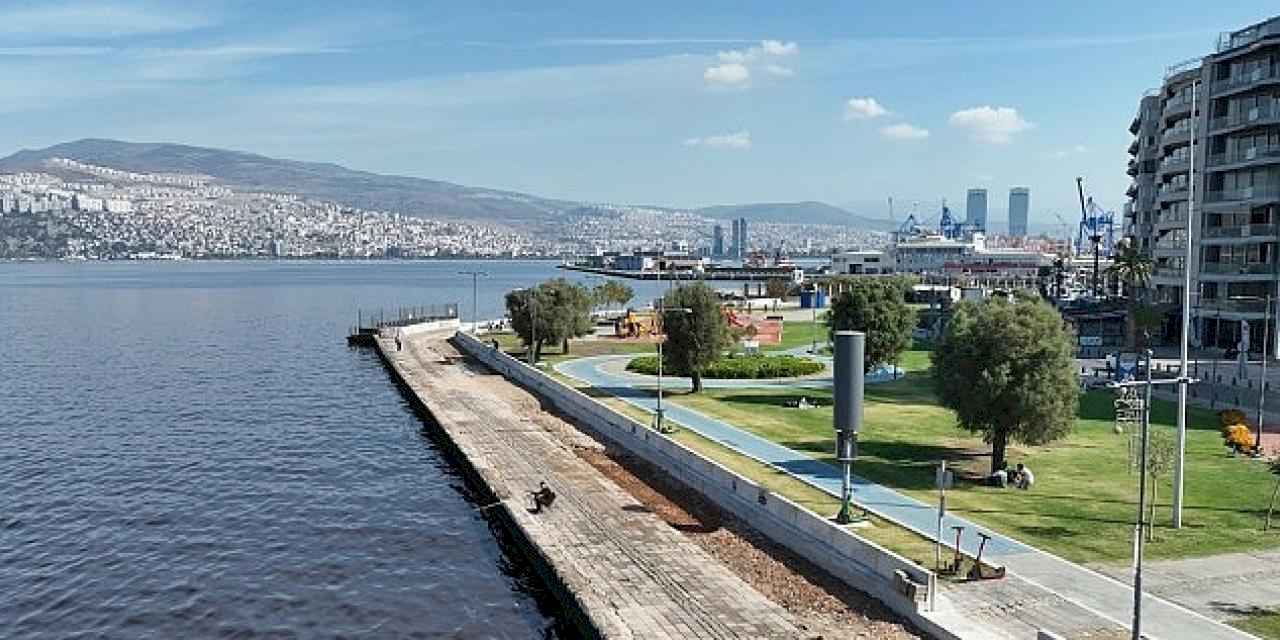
(1091, 341)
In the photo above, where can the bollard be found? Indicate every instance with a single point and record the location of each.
(955, 565)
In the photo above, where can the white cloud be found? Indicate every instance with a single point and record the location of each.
(863, 108)
(95, 20)
(730, 74)
(779, 48)
(776, 48)
(53, 51)
(1062, 153)
(991, 125)
(735, 55)
(779, 70)
(904, 131)
(740, 141)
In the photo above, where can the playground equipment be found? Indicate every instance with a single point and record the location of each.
(637, 325)
(764, 331)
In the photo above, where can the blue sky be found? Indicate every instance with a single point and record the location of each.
(656, 102)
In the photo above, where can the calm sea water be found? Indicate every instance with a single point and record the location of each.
(190, 450)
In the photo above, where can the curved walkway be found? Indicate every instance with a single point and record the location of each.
(1104, 596)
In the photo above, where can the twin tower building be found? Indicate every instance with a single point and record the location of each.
(1019, 204)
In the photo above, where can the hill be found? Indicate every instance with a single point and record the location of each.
(411, 196)
(808, 212)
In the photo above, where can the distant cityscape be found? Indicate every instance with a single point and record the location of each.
(77, 210)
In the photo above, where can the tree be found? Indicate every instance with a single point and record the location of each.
(619, 292)
(612, 292)
(1161, 453)
(552, 312)
(1133, 270)
(777, 288)
(696, 331)
(1274, 465)
(1006, 368)
(877, 307)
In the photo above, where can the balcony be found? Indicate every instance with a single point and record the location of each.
(1132, 191)
(1133, 147)
(1228, 41)
(1238, 268)
(1176, 135)
(1167, 273)
(1170, 219)
(1133, 167)
(1176, 106)
(1242, 231)
(1265, 192)
(1136, 125)
(1244, 155)
(1256, 115)
(1172, 192)
(1233, 306)
(1257, 75)
(1174, 164)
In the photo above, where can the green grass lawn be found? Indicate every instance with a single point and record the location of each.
(578, 348)
(797, 333)
(1082, 506)
(1262, 623)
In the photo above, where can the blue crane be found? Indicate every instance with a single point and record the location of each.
(1098, 226)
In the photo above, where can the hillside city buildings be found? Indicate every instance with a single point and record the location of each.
(80, 210)
(1206, 148)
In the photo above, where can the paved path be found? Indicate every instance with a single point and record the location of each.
(1099, 594)
(631, 574)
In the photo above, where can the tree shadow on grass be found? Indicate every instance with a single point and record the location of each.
(895, 464)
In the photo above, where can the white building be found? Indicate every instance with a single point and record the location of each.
(862, 262)
(935, 255)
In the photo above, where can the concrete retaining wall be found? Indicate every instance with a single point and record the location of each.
(861, 563)
(451, 324)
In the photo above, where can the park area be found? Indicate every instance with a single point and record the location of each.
(768, 415)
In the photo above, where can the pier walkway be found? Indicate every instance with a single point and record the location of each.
(625, 572)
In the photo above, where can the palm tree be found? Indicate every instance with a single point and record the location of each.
(1133, 269)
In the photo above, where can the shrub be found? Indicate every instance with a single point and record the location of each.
(1230, 417)
(740, 367)
(1239, 437)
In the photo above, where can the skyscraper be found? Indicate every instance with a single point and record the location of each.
(1019, 204)
(975, 212)
(743, 244)
(734, 250)
(717, 240)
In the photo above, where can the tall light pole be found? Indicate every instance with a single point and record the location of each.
(1139, 521)
(475, 278)
(1179, 467)
(1262, 384)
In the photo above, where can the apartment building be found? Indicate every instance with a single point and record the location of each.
(1207, 141)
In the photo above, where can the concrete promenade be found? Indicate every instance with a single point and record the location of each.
(620, 569)
(1101, 596)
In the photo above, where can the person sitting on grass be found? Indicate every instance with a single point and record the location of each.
(1001, 477)
(1024, 478)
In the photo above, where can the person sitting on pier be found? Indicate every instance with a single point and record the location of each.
(543, 497)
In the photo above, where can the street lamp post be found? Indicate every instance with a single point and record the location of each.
(1139, 521)
(533, 327)
(1262, 383)
(475, 317)
(1181, 435)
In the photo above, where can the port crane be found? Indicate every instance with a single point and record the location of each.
(1098, 226)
